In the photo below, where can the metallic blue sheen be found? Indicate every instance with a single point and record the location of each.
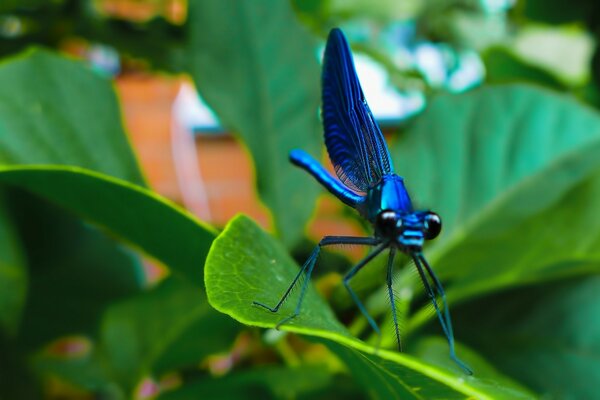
(388, 194)
(353, 139)
(367, 183)
(303, 160)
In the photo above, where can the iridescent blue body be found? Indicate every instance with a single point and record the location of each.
(366, 182)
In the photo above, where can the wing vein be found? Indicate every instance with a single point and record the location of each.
(354, 141)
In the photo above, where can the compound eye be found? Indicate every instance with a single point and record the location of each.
(386, 222)
(433, 225)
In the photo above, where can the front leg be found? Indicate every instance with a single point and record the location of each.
(308, 268)
(444, 317)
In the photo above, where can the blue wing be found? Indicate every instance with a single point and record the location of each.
(354, 142)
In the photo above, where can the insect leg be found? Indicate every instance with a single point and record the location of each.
(308, 268)
(353, 272)
(391, 293)
(444, 317)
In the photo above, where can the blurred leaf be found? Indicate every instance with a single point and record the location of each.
(238, 274)
(139, 334)
(590, 93)
(45, 120)
(381, 10)
(503, 66)
(13, 274)
(57, 111)
(267, 382)
(136, 215)
(464, 28)
(257, 68)
(75, 272)
(555, 12)
(86, 370)
(545, 336)
(500, 165)
(167, 328)
(16, 380)
(565, 52)
(462, 24)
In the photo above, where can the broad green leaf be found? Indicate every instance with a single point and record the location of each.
(257, 68)
(383, 379)
(13, 273)
(245, 264)
(47, 118)
(88, 169)
(48, 115)
(140, 337)
(75, 272)
(259, 383)
(546, 335)
(134, 214)
(434, 349)
(507, 168)
(56, 111)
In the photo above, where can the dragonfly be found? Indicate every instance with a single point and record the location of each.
(366, 182)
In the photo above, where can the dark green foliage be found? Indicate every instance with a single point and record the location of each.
(544, 335)
(512, 169)
(504, 67)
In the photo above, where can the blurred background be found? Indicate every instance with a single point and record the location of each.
(186, 77)
(405, 52)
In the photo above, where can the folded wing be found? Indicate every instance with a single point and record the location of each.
(354, 141)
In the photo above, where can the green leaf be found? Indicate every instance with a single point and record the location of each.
(257, 68)
(85, 371)
(45, 120)
(137, 342)
(503, 66)
(434, 349)
(13, 273)
(75, 272)
(546, 335)
(481, 160)
(56, 111)
(555, 12)
(50, 148)
(134, 214)
(245, 264)
(384, 379)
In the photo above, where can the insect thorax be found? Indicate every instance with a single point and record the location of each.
(388, 194)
